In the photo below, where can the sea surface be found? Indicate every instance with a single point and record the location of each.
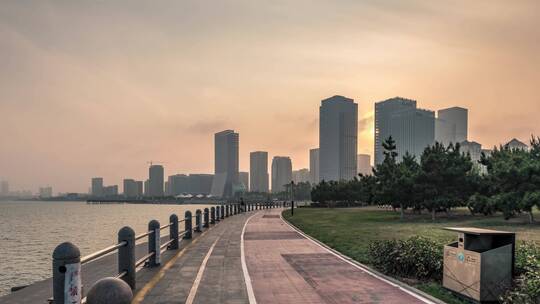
(29, 232)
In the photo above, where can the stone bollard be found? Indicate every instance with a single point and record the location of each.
(222, 212)
(126, 255)
(218, 216)
(235, 209)
(227, 211)
(198, 220)
(206, 218)
(109, 291)
(173, 231)
(188, 227)
(153, 243)
(292, 208)
(212, 215)
(67, 284)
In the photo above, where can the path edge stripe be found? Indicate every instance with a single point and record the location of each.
(247, 278)
(198, 278)
(420, 295)
(141, 294)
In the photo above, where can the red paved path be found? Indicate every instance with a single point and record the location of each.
(286, 267)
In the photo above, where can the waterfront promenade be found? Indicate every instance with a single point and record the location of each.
(252, 257)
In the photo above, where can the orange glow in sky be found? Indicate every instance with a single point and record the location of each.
(98, 88)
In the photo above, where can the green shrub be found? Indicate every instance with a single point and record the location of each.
(417, 258)
(527, 284)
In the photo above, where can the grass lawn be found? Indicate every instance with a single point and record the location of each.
(350, 230)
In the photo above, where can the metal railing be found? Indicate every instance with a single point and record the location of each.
(67, 284)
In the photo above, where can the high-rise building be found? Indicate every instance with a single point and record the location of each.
(226, 145)
(258, 171)
(131, 188)
(364, 164)
(451, 125)
(140, 188)
(200, 184)
(412, 129)
(45, 192)
(244, 180)
(338, 138)
(146, 189)
(97, 186)
(281, 173)
(314, 166)
(155, 181)
(178, 184)
(301, 176)
(4, 188)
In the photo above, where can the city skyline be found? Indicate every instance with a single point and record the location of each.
(97, 87)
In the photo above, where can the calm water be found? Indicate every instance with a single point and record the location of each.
(29, 232)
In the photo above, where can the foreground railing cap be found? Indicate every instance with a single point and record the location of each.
(65, 251)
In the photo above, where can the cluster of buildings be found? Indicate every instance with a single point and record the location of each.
(336, 158)
(6, 192)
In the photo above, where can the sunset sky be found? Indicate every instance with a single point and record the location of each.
(98, 88)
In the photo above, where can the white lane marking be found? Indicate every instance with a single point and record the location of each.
(195, 286)
(348, 260)
(247, 278)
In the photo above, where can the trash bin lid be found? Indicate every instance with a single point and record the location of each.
(477, 231)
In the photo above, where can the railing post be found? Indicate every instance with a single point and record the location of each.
(173, 231)
(66, 266)
(188, 226)
(198, 220)
(292, 208)
(206, 218)
(153, 243)
(235, 209)
(222, 213)
(227, 211)
(109, 290)
(212, 215)
(126, 255)
(218, 216)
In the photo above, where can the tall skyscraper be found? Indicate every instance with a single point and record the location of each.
(301, 176)
(226, 145)
(155, 181)
(4, 188)
(364, 164)
(338, 138)
(244, 180)
(451, 125)
(97, 186)
(314, 166)
(258, 171)
(413, 129)
(281, 173)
